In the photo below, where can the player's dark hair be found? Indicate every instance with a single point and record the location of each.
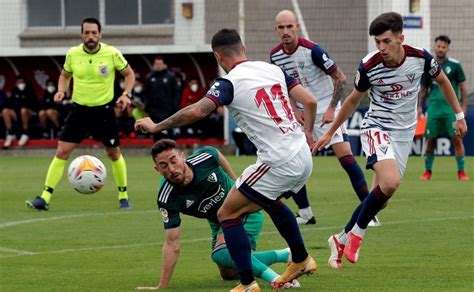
(387, 21)
(90, 20)
(443, 38)
(227, 41)
(20, 77)
(161, 146)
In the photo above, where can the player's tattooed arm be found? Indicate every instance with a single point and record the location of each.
(340, 82)
(183, 117)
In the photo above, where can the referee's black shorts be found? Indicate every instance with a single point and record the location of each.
(97, 121)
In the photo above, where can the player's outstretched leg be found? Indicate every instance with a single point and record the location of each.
(305, 213)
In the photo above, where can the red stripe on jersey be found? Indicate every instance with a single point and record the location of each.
(306, 43)
(276, 49)
(373, 61)
(413, 52)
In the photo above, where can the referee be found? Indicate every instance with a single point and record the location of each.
(92, 65)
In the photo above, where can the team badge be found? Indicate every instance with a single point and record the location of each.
(103, 70)
(448, 70)
(212, 178)
(164, 214)
(189, 203)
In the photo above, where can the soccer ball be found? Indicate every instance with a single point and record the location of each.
(87, 174)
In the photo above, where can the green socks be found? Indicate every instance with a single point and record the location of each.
(119, 169)
(429, 162)
(460, 162)
(55, 172)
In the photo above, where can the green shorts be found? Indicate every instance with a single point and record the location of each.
(440, 127)
(253, 224)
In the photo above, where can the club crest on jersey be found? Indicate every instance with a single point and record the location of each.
(448, 70)
(189, 203)
(380, 82)
(103, 70)
(164, 214)
(411, 77)
(212, 177)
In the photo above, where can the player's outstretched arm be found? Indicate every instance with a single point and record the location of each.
(348, 107)
(169, 258)
(450, 96)
(226, 166)
(183, 117)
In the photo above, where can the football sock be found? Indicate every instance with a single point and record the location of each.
(356, 176)
(371, 206)
(301, 200)
(358, 231)
(286, 224)
(53, 176)
(269, 257)
(342, 237)
(306, 213)
(354, 217)
(429, 162)
(238, 245)
(260, 269)
(460, 162)
(119, 169)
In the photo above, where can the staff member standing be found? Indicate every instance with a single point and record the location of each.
(92, 65)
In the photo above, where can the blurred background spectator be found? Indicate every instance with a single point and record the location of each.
(49, 113)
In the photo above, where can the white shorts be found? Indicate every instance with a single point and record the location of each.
(264, 184)
(339, 136)
(378, 145)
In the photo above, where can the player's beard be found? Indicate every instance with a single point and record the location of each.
(91, 45)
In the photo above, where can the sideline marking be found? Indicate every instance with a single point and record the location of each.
(139, 245)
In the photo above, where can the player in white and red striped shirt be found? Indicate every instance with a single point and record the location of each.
(391, 76)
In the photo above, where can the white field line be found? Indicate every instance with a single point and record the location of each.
(28, 221)
(17, 251)
(140, 245)
(129, 212)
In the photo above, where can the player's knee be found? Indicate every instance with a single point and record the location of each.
(63, 153)
(113, 154)
(389, 186)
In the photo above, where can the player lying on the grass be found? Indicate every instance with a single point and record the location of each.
(197, 186)
(392, 76)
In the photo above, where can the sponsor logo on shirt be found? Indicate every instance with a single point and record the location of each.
(212, 200)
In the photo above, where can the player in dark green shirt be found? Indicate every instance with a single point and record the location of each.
(441, 118)
(197, 186)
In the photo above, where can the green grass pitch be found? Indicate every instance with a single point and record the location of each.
(85, 243)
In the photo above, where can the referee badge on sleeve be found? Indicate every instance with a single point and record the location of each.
(103, 70)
